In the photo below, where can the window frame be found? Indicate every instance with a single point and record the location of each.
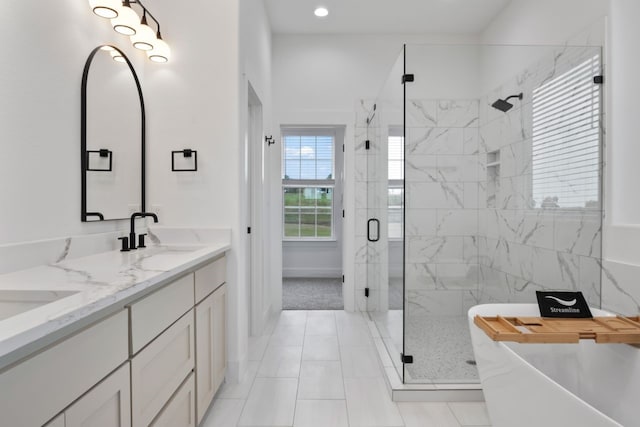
(309, 183)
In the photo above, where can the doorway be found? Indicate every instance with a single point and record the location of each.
(312, 212)
(257, 215)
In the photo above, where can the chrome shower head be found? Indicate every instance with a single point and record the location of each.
(504, 105)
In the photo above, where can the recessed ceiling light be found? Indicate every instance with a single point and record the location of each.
(321, 12)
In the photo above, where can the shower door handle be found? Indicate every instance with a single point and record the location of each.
(377, 235)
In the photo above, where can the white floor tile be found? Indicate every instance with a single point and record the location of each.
(224, 413)
(318, 347)
(321, 324)
(240, 390)
(292, 317)
(321, 413)
(470, 413)
(320, 380)
(354, 333)
(257, 346)
(271, 402)
(360, 362)
(293, 337)
(427, 414)
(283, 362)
(369, 403)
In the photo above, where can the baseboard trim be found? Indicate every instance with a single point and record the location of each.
(326, 273)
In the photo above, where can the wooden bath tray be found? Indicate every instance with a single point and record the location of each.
(623, 330)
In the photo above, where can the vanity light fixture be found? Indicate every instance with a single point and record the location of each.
(105, 8)
(126, 21)
(144, 38)
(160, 52)
(321, 12)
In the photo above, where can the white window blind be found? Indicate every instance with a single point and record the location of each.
(566, 139)
(395, 190)
(308, 157)
(396, 157)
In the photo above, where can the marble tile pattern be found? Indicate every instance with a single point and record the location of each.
(522, 247)
(99, 281)
(442, 178)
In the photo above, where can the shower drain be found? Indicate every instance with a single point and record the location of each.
(471, 362)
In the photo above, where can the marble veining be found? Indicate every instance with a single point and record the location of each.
(99, 281)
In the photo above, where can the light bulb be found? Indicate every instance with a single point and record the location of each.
(126, 22)
(321, 12)
(105, 8)
(160, 52)
(144, 37)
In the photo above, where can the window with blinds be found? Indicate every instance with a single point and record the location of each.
(566, 139)
(395, 161)
(307, 184)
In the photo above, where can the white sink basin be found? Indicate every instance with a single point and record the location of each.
(13, 302)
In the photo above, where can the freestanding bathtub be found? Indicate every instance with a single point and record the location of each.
(556, 385)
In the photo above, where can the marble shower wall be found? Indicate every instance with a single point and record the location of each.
(442, 171)
(523, 247)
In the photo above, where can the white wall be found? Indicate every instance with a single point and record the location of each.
(624, 218)
(46, 46)
(543, 22)
(197, 100)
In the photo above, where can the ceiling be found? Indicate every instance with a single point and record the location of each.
(383, 16)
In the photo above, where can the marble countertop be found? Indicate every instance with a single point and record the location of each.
(86, 287)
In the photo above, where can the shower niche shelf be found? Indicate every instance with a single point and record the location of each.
(539, 330)
(493, 177)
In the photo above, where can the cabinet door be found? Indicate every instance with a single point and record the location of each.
(159, 369)
(106, 405)
(219, 335)
(180, 410)
(34, 391)
(210, 348)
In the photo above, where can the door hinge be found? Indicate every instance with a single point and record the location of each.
(342, 213)
(405, 358)
(343, 148)
(343, 278)
(248, 230)
(367, 144)
(407, 78)
(366, 292)
(598, 80)
(269, 140)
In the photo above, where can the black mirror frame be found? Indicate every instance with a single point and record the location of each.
(83, 135)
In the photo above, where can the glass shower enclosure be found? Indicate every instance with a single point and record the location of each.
(482, 170)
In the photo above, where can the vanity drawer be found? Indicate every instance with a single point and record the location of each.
(181, 409)
(159, 369)
(156, 312)
(43, 385)
(210, 277)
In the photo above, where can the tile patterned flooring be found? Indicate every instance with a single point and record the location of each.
(319, 368)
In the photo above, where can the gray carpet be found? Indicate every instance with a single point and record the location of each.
(312, 294)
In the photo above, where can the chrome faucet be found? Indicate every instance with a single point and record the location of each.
(132, 234)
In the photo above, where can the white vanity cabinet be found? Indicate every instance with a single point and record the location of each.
(178, 347)
(36, 389)
(158, 361)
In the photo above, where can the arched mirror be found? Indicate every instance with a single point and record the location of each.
(113, 137)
